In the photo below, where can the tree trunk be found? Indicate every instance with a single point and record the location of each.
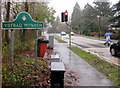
(26, 6)
(24, 31)
(7, 19)
(0, 46)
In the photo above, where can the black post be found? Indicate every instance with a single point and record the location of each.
(69, 34)
(99, 26)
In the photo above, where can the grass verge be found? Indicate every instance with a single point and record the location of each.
(111, 71)
(60, 41)
(101, 37)
(42, 37)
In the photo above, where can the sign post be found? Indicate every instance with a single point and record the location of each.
(12, 47)
(36, 45)
(22, 21)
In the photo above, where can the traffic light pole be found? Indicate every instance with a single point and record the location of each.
(69, 34)
(64, 18)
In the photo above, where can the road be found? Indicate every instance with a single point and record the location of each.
(96, 47)
(92, 45)
(85, 42)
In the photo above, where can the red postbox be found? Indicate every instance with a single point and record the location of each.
(43, 47)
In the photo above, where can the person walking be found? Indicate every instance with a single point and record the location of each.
(107, 40)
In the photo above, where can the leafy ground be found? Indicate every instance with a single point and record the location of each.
(111, 71)
(27, 71)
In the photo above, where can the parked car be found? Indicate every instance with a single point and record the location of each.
(63, 33)
(72, 34)
(115, 49)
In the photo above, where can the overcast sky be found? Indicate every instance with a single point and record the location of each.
(62, 5)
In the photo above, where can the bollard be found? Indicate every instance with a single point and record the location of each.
(51, 42)
(55, 58)
(57, 74)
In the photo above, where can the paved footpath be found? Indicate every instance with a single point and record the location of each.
(79, 72)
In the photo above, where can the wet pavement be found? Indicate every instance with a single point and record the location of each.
(96, 47)
(79, 72)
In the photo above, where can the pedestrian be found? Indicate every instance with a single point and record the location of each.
(107, 40)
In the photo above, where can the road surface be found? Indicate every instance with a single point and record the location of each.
(92, 45)
(96, 47)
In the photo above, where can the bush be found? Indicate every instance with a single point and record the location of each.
(94, 33)
(116, 35)
(19, 47)
(6, 51)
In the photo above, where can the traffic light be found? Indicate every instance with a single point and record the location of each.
(64, 16)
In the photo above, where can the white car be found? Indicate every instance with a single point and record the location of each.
(72, 34)
(63, 33)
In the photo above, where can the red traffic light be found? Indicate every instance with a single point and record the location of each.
(64, 16)
(65, 13)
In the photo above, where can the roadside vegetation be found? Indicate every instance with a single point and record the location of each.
(111, 71)
(60, 41)
(42, 37)
(26, 71)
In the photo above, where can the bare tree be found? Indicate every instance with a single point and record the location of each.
(24, 31)
(0, 48)
(7, 19)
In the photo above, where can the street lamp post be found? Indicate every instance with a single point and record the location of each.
(99, 26)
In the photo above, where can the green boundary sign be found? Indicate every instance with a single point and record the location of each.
(23, 21)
